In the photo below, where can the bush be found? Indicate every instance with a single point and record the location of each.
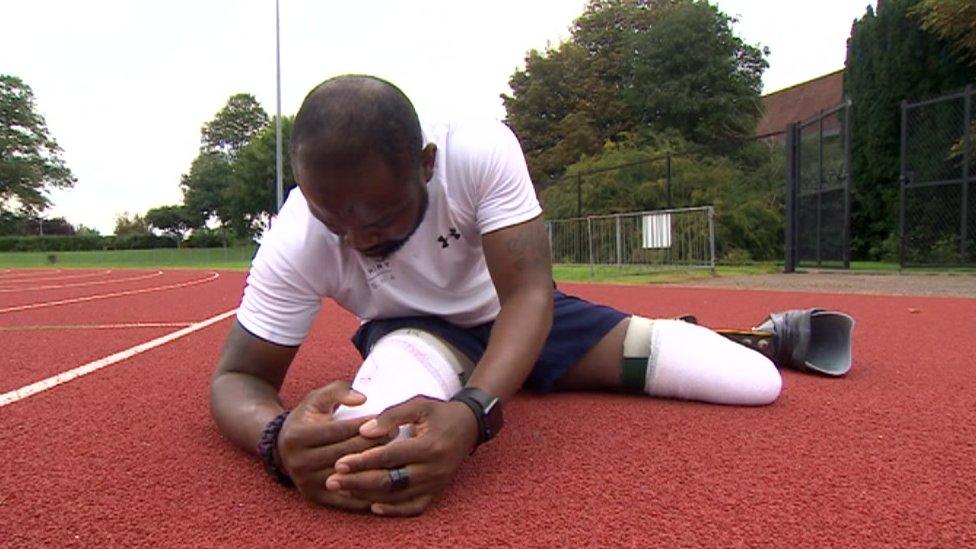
(736, 256)
(748, 198)
(139, 242)
(50, 243)
(209, 238)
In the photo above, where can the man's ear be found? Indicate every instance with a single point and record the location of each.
(427, 157)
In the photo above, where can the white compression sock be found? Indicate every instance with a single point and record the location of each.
(401, 365)
(691, 362)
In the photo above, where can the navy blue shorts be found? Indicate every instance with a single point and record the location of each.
(577, 326)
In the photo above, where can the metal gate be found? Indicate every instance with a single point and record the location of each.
(682, 238)
(937, 215)
(818, 197)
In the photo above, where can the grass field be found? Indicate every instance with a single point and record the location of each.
(239, 258)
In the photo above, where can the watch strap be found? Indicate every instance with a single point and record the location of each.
(481, 404)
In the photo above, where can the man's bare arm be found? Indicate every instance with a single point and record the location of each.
(244, 388)
(244, 399)
(519, 263)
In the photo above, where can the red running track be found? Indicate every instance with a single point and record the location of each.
(883, 457)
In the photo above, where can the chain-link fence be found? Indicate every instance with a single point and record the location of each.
(938, 206)
(818, 189)
(745, 186)
(682, 238)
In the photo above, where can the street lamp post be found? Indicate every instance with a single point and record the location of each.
(280, 197)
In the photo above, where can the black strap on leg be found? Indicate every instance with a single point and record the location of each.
(633, 374)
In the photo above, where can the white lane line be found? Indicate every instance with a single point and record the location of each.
(28, 279)
(76, 284)
(39, 387)
(213, 276)
(19, 274)
(36, 327)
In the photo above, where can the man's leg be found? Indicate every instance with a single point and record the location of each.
(676, 360)
(403, 364)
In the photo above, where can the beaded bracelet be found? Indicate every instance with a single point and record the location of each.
(268, 447)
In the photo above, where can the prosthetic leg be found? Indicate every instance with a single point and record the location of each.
(811, 340)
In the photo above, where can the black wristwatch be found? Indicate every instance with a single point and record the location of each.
(487, 410)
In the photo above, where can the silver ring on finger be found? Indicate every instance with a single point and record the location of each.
(399, 479)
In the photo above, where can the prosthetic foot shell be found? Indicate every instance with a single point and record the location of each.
(815, 340)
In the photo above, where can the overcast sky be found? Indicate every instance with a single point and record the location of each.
(125, 85)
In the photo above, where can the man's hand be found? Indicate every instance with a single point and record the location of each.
(310, 442)
(443, 435)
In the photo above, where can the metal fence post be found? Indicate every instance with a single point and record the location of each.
(667, 177)
(903, 195)
(711, 236)
(579, 195)
(847, 185)
(966, 159)
(820, 178)
(789, 202)
(619, 244)
(589, 238)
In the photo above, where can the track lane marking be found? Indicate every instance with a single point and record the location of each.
(40, 386)
(213, 276)
(47, 278)
(77, 284)
(37, 327)
(19, 274)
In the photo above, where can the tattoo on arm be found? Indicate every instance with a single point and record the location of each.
(529, 246)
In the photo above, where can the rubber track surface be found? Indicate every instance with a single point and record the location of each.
(128, 456)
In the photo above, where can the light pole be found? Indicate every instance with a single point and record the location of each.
(278, 161)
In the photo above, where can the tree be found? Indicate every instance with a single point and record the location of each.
(52, 226)
(628, 178)
(233, 127)
(134, 224)
(251, 194)
(204, 187)
(173, 221)
(952, 20)
(84, 230)
(889, 59)
(692, 75)
(566, 102)
(548, 110)
(30, 159)
(221, 140)
(621, 74)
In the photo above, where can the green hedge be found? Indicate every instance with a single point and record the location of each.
(138, 242)
(209, 238)
(57, 243)
(50, 243)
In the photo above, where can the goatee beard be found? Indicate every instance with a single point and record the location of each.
(383, 250)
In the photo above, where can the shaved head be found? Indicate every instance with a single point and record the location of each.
(350, 119)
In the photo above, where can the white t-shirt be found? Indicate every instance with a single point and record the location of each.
(480, 184)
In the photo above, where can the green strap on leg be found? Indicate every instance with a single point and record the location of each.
(633, 374)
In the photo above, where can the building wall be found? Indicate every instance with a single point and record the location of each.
(800, 102)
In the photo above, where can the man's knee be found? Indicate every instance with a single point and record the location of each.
(403, 364)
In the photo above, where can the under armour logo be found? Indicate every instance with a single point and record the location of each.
(451, 232)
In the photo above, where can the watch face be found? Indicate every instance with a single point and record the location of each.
(493, 418)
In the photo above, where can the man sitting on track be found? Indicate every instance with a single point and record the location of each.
(435, 240)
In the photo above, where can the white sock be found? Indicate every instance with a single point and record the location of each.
(691, 362)
(400, 366)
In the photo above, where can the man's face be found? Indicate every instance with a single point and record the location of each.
(373, 207)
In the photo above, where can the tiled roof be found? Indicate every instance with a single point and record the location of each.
(800, 102)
